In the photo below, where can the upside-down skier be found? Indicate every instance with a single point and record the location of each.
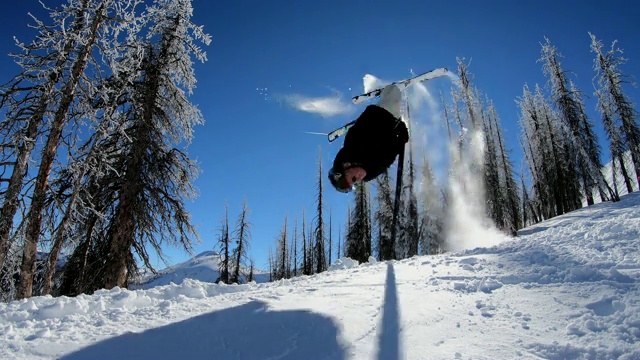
(372, 143)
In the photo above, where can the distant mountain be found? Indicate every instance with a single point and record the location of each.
(203, 267)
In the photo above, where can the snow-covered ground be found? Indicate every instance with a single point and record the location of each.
(565, 289)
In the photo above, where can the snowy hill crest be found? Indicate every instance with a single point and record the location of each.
(202, 267)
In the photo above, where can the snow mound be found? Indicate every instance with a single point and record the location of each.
(344, 263)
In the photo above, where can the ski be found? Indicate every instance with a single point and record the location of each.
(402, 84)
(340, 131)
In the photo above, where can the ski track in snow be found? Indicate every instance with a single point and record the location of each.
(566, 288)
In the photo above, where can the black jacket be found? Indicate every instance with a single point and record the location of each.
(373, 142)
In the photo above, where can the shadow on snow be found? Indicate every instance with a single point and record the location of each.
(389, 336)
(249, 331)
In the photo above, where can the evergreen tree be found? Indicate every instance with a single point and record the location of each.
(547, 148)
(508, 184)
(281, 262)
(272, 266)
(55, 65)
(618, 113)
(250, 276)
(28, 100)
(100, 189)
(384, 217)
(223, 243)
(94, 17)
(157, 177)
(306, 264)
(294, 240)
(358, 242)
(90, 161)
(311, 249)
(411, 218)
(242, 235)
(330, 239)
(582, 142)
(492, 186)
(431, 229)
(319, 233)
(339, 252)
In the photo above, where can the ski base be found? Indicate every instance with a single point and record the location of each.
(340, 131)
(402, 84)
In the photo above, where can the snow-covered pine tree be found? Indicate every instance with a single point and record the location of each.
(54, 65)
(579, 129)
(93, 15)
(242, 236)
(492, 186)
(530, 158)
(27, 101)
(281, 262)
(84, 270)
(272, 266)
(319, 231)
(616, 146)
(547, 147)
(466, 178)
(88, 162)
(592, 152)
(411, 219)
(467, 96)
(339, 252)
(431, 228)
(529, 215)
(311, 249)
(96, 167)
(250, 276)
(294, 245)
(384, 217)
(508, 184)
(615, 106)
(330, 240)
(358, 242)
(223, 244)
(150, 208)
(306, 269)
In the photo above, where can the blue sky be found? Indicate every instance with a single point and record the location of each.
(254, 146)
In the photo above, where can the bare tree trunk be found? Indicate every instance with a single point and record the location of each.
(123, 234)
(10, 206)
(34, 217)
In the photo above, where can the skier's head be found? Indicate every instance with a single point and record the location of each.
(344, 177)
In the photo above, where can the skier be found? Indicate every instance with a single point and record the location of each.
(372, 143)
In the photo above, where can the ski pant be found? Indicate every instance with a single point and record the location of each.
(390, 100)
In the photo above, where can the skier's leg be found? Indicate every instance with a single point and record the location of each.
(390, 99)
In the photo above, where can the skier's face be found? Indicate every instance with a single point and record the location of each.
(354, 175)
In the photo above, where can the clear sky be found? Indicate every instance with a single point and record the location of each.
(254, 145)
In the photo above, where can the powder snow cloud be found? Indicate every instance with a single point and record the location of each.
(326, 106)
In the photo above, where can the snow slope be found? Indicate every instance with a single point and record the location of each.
(203, 267)
(565, 289)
